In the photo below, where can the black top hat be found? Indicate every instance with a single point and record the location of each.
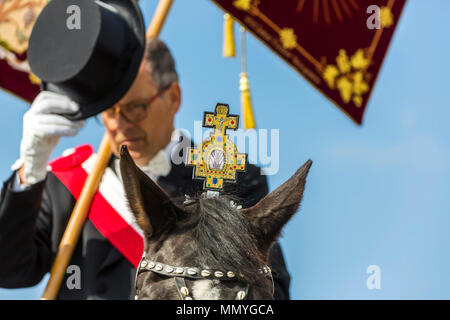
(89, 50)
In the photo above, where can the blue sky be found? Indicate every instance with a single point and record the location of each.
(376, 194)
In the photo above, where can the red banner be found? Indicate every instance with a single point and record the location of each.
(16, 81)
(16, 22)
(337, 45)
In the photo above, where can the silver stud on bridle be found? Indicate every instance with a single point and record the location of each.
(241, 295)
(193, 273)
(205, 273)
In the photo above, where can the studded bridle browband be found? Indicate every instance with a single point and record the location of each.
(193, 273)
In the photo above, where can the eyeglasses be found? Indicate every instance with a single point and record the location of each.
(132, 112)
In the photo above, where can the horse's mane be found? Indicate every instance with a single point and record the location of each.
(223, 237)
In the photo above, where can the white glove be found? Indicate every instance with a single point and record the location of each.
(43, 125)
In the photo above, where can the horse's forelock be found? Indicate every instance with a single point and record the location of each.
(223, 237)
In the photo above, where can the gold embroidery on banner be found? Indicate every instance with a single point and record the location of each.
(34, 79)
(242, 4)
(328, 8)
(386, 17)
(347, 76)
(17, 18)
(288, 38)
(16, 22)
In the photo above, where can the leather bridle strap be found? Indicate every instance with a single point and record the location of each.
(193, 273)
(181, 273)
(182, 288)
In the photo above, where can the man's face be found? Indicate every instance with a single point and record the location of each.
(146, 136)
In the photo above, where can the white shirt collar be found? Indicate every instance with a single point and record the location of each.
(160, 164)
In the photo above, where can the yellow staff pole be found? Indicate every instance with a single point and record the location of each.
(81, 209)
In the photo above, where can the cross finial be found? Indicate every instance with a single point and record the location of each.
(220, 119)
(216, 160)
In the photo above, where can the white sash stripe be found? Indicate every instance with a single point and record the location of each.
(112, 190)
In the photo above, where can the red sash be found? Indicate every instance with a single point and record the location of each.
(112, 218)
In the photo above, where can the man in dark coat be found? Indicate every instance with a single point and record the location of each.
(35, 205)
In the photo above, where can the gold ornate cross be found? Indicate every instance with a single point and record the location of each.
(216, 160)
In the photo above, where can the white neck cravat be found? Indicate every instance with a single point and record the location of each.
(161, 164)
(158, 166)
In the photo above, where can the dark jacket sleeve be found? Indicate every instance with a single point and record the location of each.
(25, 233)
(252, 187)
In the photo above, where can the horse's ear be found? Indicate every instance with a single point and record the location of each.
(146, 199)
(272, 212)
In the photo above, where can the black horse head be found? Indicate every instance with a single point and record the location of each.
(207, 248)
